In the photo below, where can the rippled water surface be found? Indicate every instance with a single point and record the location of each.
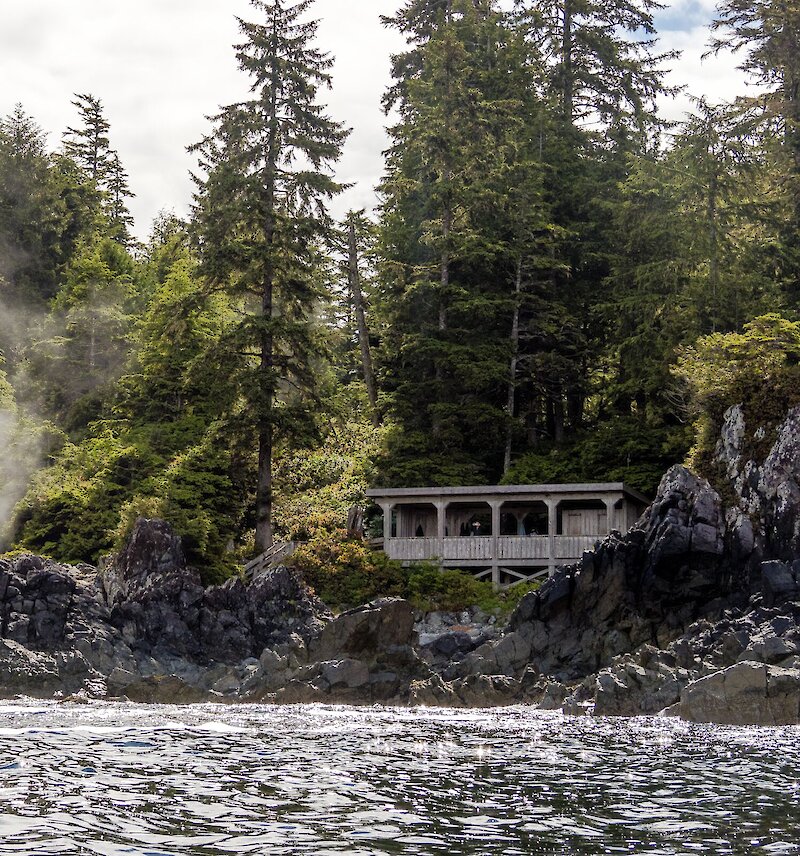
(204, 779)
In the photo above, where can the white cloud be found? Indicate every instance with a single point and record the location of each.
(715, 77)
(162, 66)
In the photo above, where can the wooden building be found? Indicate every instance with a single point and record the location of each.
(505, 533)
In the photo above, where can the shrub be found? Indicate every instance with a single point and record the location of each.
(758, 368)
(346, 572)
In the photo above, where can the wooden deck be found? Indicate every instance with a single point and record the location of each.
(535, 548)
(574, 516)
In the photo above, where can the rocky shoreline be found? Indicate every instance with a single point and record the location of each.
(694, 612)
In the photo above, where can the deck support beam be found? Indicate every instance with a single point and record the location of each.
(441, 518)
(552, 526)
(496, 505)
(387, 508)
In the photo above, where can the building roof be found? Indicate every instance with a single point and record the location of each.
(506, 491)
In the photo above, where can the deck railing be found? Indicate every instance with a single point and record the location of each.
(482, 548)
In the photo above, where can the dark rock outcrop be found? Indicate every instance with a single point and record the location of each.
(642, 588)
(694, 588)
(695, 610)
(158, 603)
(146, 628)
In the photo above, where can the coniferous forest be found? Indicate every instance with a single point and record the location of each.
(558, 285)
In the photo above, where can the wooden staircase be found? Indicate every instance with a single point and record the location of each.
(270, 558)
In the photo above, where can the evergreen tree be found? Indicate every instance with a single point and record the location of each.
(768, 31)
(34, 217)
(443, 175)
(599, 69)
(688, 226)
(356, 228)
(119, 217)
(470, 272)
(599, 59)
(89, 147)
(90, 334)
(260, 213)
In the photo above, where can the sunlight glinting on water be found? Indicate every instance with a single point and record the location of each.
(117, 779)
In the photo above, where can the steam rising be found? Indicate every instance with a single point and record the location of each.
(20, 457)
(21, 438)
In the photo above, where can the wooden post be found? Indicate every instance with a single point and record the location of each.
(441, 529)
(441, 519)
(387, 523)
(495, 504)
(552, 527)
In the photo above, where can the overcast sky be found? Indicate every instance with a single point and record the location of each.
(161, 66)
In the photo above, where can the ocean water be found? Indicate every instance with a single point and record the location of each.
(211, 779)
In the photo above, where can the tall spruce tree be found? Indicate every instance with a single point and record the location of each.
(599, 57)
(600, 71)
(358, 227)
(768, 32)
(89, 147)
(260, 214)
(32, 215)
(445, 292)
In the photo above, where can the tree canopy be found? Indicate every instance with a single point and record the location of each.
(557, 284)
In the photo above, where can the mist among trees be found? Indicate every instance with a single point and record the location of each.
(533, 300)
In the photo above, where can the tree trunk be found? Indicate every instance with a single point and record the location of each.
(444, 259)
(361, 321)
(566, 63)
(263, 538)
(558, 419)
(713, 250)
(264, 488)
(575, 404)
(512, 377)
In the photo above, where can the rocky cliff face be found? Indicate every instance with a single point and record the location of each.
(146, 628)
(696, 610)
(692, 589)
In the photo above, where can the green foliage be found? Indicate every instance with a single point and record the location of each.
(346, 572)
(169, 449)
(24, 443)
(758, 368)
(106, 181)
(529, 283)
(621, 449)
(41, 219)
(431, 588)
(84, 505)
(72, 507)
(316, 487)
(260, 219)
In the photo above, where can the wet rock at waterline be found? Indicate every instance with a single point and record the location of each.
(694, 611)
(693, 589)
(146, 628)
(747, 693)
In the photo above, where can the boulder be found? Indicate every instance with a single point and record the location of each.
(432, 692)
(163, 689)
(366, 632)
(630, 689)
(779, 582)
(26, 672)
(747, 693)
